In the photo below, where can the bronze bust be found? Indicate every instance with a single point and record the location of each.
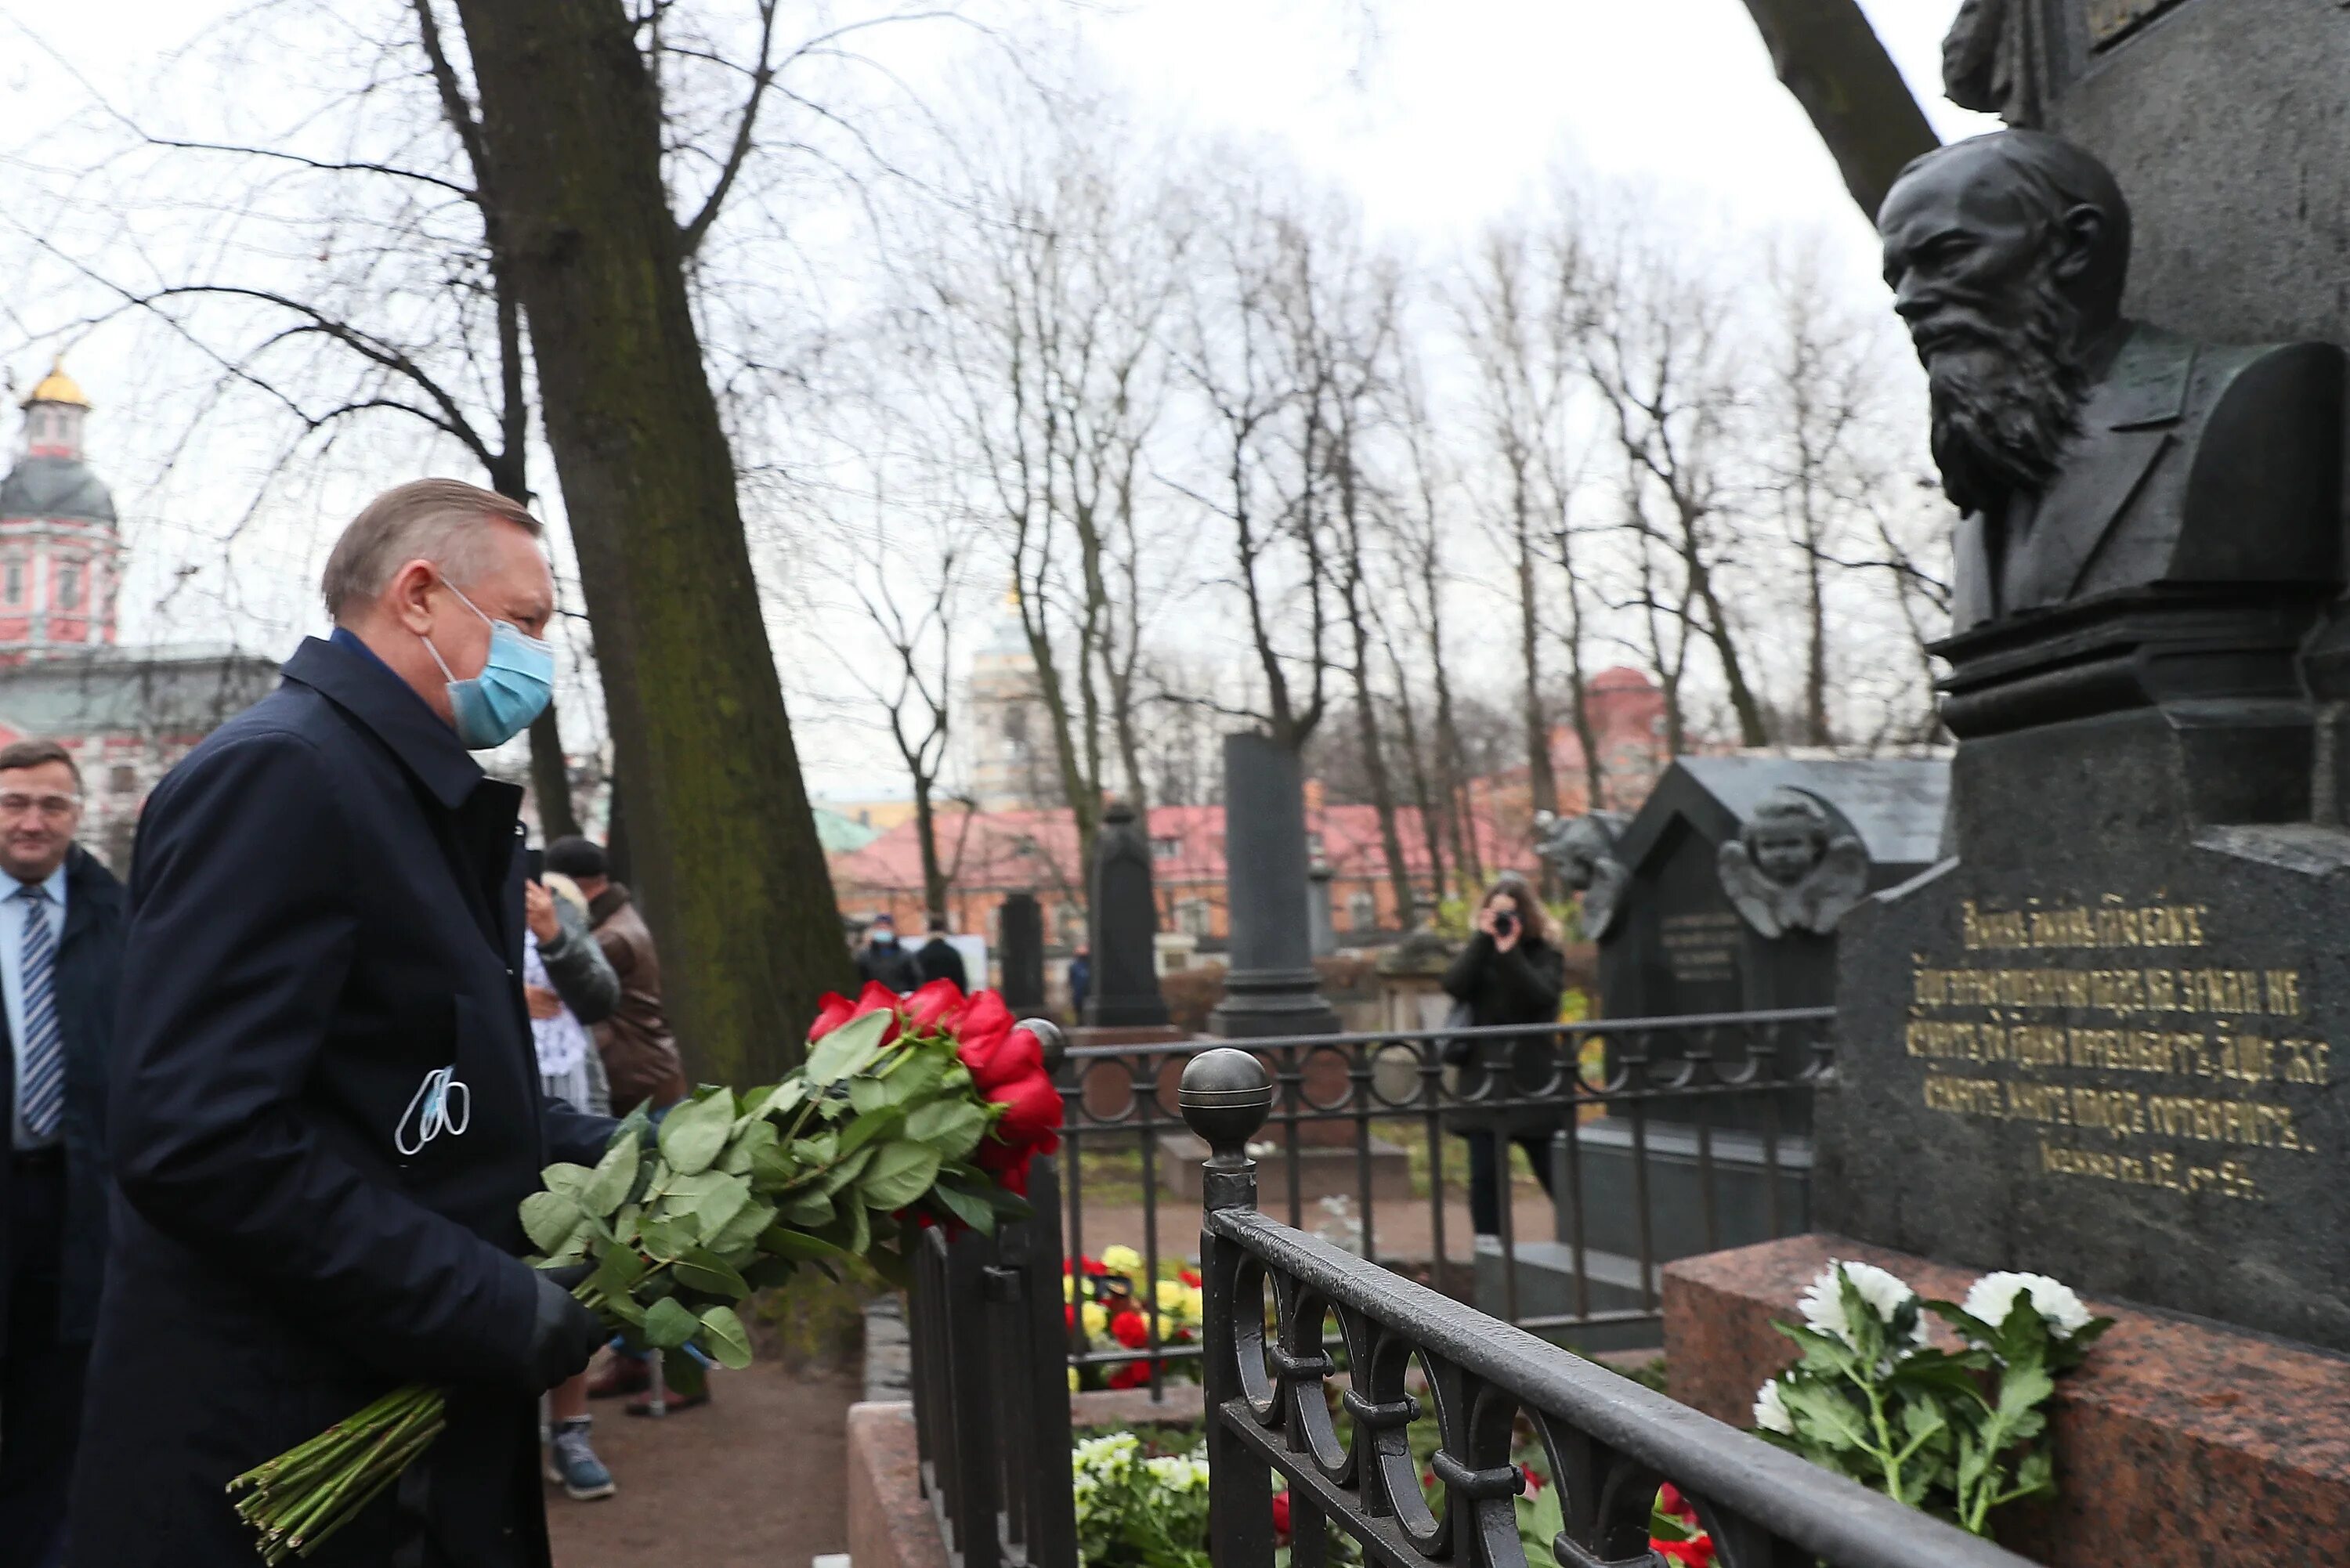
(2101, 462)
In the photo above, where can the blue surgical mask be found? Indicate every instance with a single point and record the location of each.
(513, 687)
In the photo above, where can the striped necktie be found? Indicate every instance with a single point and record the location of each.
(41, 1095)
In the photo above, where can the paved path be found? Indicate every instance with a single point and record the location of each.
(755, 1478)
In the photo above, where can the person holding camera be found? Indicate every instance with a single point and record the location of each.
(1511, 972)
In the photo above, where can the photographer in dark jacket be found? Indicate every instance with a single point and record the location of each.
(1511, 972)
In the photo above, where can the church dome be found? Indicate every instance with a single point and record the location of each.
(59, 487)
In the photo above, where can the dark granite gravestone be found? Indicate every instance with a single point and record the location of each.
(1271, 987)
(1125, 917)
(1723, 894)
(1020, 940)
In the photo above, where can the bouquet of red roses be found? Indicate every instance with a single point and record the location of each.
(908, 1112)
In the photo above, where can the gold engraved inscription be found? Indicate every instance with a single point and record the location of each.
(2141, 1060)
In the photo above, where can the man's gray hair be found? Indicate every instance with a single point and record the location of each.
(445, 520)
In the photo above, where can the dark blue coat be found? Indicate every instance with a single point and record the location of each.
(87, 977)
(325, 906)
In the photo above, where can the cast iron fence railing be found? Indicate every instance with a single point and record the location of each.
(990, 1383)
(1641, 1099)
(1610, 1443)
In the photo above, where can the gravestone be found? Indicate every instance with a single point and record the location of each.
(1125, 917)
(1271, 987)
(1723, 895)
(1019, 936)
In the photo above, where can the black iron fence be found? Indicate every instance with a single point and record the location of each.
(1665, 1137)
(1610, 1444)
(990, 1384)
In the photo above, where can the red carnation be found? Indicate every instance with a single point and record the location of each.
(831, 1012)
(1129, 1329)
(1281, 1512)
(1069, 1313)
(1096, 1266)
(1133, 1374)
(934, 1006)
(1189, 1277)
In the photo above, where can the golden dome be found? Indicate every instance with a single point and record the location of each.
(56, 387)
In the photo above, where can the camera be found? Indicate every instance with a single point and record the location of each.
(1505, 923)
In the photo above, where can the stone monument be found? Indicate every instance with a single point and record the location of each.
(1020, 939)
(1720, 895)
(1124, 919)
(1271, 987)
(2094, 1040)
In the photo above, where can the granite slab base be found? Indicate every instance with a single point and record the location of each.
(2180, 1444)
(1323, 1171)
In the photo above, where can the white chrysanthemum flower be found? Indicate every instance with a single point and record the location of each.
(1886, 1293)
(1771, 1410)
(1993, 1297)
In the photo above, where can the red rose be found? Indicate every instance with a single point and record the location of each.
(980, 1032)
(934, 1006)
(1014, 1056)
(1696, 1551)
(1069, 1313)
(1669, 1500)
(1032, 1111)
(1129, 1329)
(1281, 1512)
(1533, 1482)
(1133, 1374)
(879, 998)
(831, 1012)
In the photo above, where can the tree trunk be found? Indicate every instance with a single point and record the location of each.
(1542, 781)
(926, 828)
(725, 850)
(550, 779)
(1828, 56)
(1431, 830)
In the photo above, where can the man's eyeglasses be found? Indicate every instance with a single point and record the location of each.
(54, 806)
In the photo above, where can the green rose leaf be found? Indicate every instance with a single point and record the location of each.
(564, 1178)
(849, 1049)
(782, 1242)
(872, 1128)
(743, 1229)
(667, 1324)
(747, 1144)
(867, 1096)
(972, 1209)
(920, 1073)
(702, 1271)
(901, 1172)
(606, 1186)
(722, 1337)
(951, 1127)
(549, 1218)
(846, 1170)
(667, 1239)
(773, 1169)
(693, 1135)
(812, 1210)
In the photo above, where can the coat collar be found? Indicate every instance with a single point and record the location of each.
(365, 687)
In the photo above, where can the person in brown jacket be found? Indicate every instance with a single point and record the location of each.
(640, 1053)
(642, 1061)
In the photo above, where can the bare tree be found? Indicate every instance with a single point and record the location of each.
(1831, 59)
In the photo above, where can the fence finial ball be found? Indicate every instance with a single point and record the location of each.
(1225, 1097)
(1049, 1038)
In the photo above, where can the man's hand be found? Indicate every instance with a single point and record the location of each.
(543, 1003)
(539, 913)
(564, 1334)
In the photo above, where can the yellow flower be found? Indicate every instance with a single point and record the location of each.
(1122, 1259)
(1174, 1296)
(1068, 1287)
(1195, 1303)
(1074, 1385)
(1096, 1320)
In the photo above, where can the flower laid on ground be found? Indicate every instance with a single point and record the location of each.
(908, 1113)
(1885, 1294)
(1113, 1306)
(1959, 1434)
(1995, 1295)
(1137, 1507)
(1674, 1532)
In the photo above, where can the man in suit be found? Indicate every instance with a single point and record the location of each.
(2161, 492)
(61, 966)
(325, 1104)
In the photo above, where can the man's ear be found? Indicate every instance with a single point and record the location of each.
(409, 598)
(2081, 231)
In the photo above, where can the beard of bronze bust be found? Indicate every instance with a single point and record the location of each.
(2004, 395)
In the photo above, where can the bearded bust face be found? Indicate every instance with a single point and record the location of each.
(2004, 276)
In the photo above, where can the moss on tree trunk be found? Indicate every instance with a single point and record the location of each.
(725, 853)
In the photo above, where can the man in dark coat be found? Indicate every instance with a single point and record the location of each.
(940, 958)
(325, 1104)
(61, 966)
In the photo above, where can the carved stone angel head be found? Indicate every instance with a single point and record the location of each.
(1789, 869)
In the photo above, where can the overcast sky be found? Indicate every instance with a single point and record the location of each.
(1436, 115)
